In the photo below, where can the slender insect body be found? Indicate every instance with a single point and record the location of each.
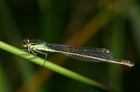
(82, 53)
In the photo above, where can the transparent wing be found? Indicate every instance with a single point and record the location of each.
(83, 53)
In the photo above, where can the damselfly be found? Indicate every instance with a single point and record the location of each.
(82, 53)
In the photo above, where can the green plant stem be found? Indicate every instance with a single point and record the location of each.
(56, 68)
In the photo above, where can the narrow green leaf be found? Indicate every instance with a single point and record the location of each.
(56, 68)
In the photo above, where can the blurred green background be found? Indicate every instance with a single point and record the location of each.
(110, 24)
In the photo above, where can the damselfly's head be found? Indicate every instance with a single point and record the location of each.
(25, 42)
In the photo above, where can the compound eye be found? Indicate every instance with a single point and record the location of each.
(24, 44)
